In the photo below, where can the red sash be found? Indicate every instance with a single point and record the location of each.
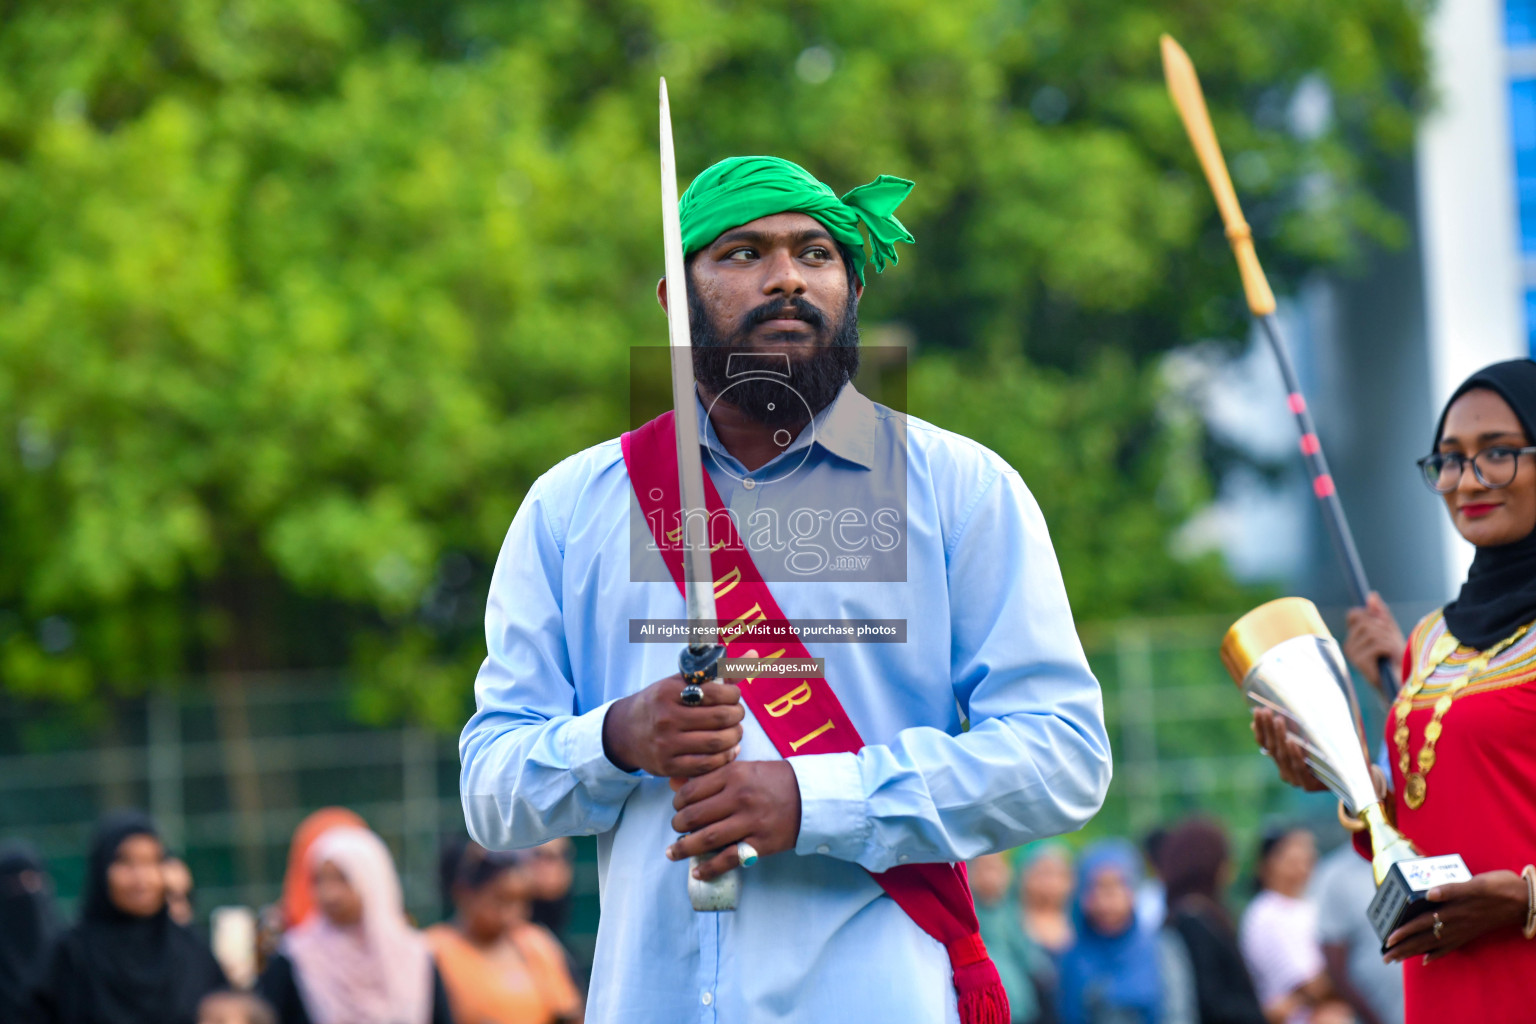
(804, 716)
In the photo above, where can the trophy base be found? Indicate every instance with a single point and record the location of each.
(1400, 896)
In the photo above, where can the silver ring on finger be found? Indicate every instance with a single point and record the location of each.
(1439, 926)
(693, 695)
(746, 853)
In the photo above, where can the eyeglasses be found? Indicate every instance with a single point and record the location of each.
(1494, 467)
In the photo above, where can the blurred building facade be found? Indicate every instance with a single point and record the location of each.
(1380, 349)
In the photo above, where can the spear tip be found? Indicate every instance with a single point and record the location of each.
(1176, 63)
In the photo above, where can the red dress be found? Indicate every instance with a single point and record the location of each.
(1481, 803)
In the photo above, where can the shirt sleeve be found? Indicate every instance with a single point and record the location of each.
(1035, 761)
(532, 769)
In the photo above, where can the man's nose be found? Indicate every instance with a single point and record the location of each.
(783, 276)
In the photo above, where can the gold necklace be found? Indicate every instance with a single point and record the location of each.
(1415, 784)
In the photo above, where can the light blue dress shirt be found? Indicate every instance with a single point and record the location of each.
(990, 639)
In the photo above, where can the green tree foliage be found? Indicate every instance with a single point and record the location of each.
(297, 297)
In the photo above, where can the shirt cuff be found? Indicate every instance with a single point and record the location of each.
(584, 753)
(834, 817)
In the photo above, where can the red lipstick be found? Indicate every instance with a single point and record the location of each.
(1478, 510)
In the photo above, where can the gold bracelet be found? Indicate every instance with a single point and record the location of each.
(1529, 874)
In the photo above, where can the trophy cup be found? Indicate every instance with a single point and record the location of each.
(1283, 658)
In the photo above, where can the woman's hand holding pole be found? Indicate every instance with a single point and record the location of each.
(1374, 638)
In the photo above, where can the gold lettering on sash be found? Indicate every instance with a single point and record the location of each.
(732, 632)
(793, 699)
(675, 536)
(826, 726)
(727, 583)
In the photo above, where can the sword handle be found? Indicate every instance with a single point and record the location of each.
(699, 664)
(718, 894)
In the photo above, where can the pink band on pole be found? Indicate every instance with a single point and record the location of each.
(1297, 402)
(1310, 444)
(1322, 485)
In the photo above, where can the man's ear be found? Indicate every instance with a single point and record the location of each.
(858, 290)
(661, 293)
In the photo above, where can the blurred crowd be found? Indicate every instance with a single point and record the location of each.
(1117, 934)
(1113, 934)
(338, 947)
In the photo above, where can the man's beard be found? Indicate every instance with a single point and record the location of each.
(766, 397)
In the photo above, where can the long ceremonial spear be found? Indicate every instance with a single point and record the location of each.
(700, 660)
(1184, 87)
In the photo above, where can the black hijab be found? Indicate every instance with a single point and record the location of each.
(27, 926)
(1499, 595)
(118, 968)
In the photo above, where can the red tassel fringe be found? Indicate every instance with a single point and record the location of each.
(982, 999)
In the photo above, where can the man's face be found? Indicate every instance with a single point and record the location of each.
(777, 284)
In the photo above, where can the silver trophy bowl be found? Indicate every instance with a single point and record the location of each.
(1302, 680)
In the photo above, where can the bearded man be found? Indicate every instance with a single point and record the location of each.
(982, 730)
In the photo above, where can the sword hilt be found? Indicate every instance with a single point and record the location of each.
(700, 663)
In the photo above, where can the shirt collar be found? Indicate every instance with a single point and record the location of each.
(846, 428)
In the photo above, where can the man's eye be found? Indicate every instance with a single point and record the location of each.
(817, 252)
(741, 255)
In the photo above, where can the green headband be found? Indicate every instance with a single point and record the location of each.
(744, 188)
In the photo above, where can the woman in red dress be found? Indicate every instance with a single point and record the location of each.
(1461, 738)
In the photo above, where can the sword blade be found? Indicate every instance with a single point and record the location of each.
(698, 580)
(723, 892)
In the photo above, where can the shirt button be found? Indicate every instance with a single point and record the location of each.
(706, 998)
(903, 858)
(749, 483)
(823, 848)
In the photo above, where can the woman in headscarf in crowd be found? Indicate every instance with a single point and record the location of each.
(357, 960)
(1045, 895)
(1459, 735)
(498, 966)
(1110, 974)
(1210, 984)
(1279, 937)
(27, 926)
(126, 961)
(298, 900)
(1028, 974)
